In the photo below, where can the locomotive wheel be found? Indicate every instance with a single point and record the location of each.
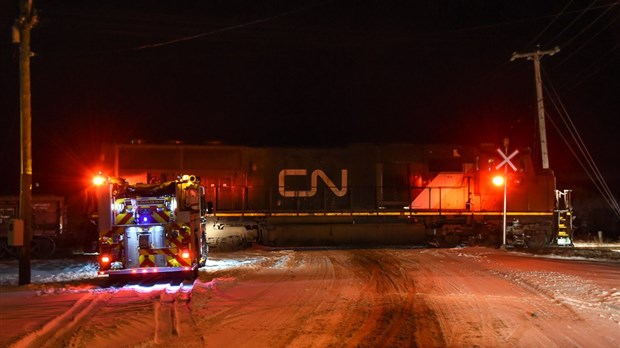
(536, 240)
(450, 240)
(493, 240)
(432, 240)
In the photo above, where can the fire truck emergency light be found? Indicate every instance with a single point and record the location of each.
(99, 180)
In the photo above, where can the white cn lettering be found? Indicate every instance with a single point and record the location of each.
(313, 183)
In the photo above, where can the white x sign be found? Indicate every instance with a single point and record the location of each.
(507, 159)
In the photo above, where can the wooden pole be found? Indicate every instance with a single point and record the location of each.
(24, 23)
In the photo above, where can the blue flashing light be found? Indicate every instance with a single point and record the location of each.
(144, 215)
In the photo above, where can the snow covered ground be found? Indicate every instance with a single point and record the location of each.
(315, 298)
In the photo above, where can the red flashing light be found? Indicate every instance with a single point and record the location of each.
(99, 180)
(105, 259)
(498, 180)
(185, 254)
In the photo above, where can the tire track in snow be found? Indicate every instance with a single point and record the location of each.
(57, 331)
(392, 322)
(172, 313)
(90, 313)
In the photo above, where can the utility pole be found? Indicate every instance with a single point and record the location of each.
(535, 56)
(21, 35)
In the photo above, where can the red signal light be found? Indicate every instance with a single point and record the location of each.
(498, 180)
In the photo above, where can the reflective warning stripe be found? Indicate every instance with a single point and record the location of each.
(124, 219)
(105, 235)
(184, 233)
(162, 216)
(173, 257)
(183, 240)
(147, 260)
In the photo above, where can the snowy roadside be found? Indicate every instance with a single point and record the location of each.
(81, 268)
(581, 250)
(468, 296)
(50, 271)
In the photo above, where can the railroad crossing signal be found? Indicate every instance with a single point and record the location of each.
(507, 158)
(505, 163)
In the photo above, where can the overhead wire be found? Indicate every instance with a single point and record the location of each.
(582, 155)
(609, 199)
(593, 171)
(233, 27)
(588, 27)
(600, 66)
(581, 14)
(607, 8)
(555, 18)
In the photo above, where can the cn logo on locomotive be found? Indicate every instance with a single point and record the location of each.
(317, 173)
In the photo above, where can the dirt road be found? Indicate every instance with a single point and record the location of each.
(338, 298)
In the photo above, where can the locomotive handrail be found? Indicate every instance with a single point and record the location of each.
(240, 200)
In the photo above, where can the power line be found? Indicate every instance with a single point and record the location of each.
(583, 12)
(238, 26)
(558, 15)
(601, 66)
(587, 42)
(593, 172)
(589, 25)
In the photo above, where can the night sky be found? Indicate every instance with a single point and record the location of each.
(309, 73)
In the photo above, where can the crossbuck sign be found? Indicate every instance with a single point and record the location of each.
(506, 160)
(505, 163)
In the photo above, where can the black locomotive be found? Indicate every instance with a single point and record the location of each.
(363, 194)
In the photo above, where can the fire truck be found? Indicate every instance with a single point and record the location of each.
(151, 228)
